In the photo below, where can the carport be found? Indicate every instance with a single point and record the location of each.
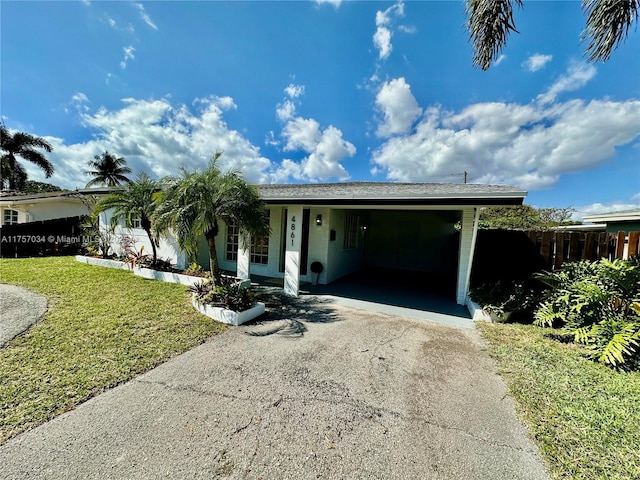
(411, 235)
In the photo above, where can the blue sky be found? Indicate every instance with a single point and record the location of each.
(305, 91)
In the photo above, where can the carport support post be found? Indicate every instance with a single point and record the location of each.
(293, 241)
(244, 247)
(468, 234)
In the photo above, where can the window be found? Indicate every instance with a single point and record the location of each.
(10, 217)
(232, 242)
(259, 252)
(260, 248)
(136, 223)
(350, 230)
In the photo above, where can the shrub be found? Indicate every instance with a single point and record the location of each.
(599, 303)
(196, 270)
(499, 297)
(226, 294)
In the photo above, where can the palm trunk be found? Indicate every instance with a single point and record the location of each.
(153, 246)
(213, 257)
(12, 172)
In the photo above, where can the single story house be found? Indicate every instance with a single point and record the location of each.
(425, 227)
(17, 207)
(625, 221)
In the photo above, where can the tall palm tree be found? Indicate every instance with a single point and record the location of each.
(22, 145)
(134, 200)
(193, 204)
(490, 22)
(108, 170)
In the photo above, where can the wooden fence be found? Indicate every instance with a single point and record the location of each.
(556, 248)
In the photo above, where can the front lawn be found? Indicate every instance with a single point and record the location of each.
(584, 416)
(103, 327)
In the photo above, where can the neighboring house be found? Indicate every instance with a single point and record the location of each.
(347, 227)
(626, 221)
(19, 207)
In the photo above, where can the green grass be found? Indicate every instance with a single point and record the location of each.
(102, 327)
(585, 417)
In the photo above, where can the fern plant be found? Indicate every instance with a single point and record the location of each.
(598, 303)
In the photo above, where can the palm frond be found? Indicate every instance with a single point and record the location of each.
(608, 23)
(489, 24)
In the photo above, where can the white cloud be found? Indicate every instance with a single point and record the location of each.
(270, 139)
(529, 146)
(285, 110)
(145, 16)
(335, 3)
(157, 137)
(294, 91)
(398, 107)
(79, 97)
(325, 148)
(383, 34)
(577, 76)
(598, 208)
(128, 55)
(382, 41)
(301, 134)
(536, 62)
(111, 21)
(500, 59)
(407, 28)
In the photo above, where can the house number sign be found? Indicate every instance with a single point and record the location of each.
(293, 229)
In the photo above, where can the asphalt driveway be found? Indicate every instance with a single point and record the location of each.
(19, 309)
(334, 393)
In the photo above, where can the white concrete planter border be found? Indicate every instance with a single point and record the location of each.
(478, 314)
(229, 316)
(171, 277)
(102, 262)
(180, 278)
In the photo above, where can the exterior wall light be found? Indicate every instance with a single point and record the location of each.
(319, 219)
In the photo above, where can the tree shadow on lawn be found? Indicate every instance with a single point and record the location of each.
(286, 315)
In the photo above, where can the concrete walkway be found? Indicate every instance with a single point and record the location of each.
(320, 391)
(19, 309)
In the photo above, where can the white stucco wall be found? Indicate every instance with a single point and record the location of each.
(342, 261)
(319, 243)
(167, 250)
(51, 209)
(318, 246)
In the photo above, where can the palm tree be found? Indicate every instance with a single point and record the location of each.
(134, 200)
(490, 22)
(108, 170)
(193, 204)
(22, 145)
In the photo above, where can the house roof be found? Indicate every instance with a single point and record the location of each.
(21, 197)
(344, 193)
(612, 217)
(385, 193)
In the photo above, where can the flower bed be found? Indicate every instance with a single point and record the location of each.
(229, 317)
